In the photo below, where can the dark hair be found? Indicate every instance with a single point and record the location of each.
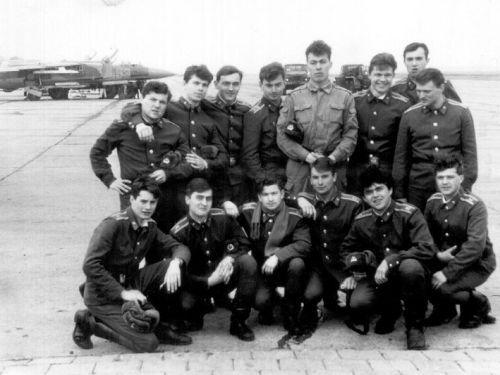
(156, 87)
(382, 60)
(430, 74)
(271, 71)
(144, 183)
(373, 175)
(414, 46)
(324, 164)
(197, 185)
(448, 162)
(319, 48)
(228, 70)
(270, 180)
(200, 71)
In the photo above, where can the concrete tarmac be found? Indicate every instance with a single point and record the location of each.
(51, 202)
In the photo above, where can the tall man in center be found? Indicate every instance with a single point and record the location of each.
(326, 115)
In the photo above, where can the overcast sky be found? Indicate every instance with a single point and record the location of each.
(463, 35)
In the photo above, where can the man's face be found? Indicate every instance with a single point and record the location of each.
(273, 89)
(448, 182)
(199, 203)
(154, 105)
(144, 205)
(415, 61)
(228, 87)
(430, 94)
(381, 79)
(271, 197)
(322, 182)
(318, 67)
(195, 89)
(378, 196)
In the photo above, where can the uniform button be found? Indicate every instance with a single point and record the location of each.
(447, 234)
(327, 258)
(192, 122)
(194, 148)
(135, 258)
(436, 149)
(324, 244)
(138, 243)
(387, 249)
(205, 239)
(269, 233)
(151, 151)
(270, 220)
(373, 127)
(436, 137)
(152, 164)
(384, 235)
(324, 217)
(207, 252)
(209, 262)
(372, 142)
(445, 220)
(434, 124)
(435, 112)
(193, 135)
(230, 116)
(324, 231)
(370, 156)
(447, 207)
(375, 113)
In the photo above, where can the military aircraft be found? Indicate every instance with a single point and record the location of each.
(37, 78)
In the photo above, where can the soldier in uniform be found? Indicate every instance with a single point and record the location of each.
(398, 238)
(327, 116)
(280, 243)
(260, 154)
(161, 158)
(112, 267)
(379, 112)
(434, 127)
(331, 214)
(458, 222)
(228, 113)
(219, 261)
(416, 58)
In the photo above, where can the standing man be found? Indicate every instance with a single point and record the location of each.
(228, 112)
(397, 236)
(219, 260)
(331, 215)
(434, 127)
(261, 155)
(416, 58)
(459, 224)
(117, 247)
(161, 158)
(326, 115)
(280, 243)
(379, 112)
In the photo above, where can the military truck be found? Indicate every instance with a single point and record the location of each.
(295, 75)
(353, 77)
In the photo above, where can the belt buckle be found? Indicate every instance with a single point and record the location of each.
(374, 160)
(232, 161)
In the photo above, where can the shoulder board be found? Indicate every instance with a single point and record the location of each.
(359, 94)
(249, 206)
(340, 88)
(454, 102)
(413, 107)
(402, 81)
(299, 88)
(435, 196)
(349, 197)
(470, 199)
(405, 207)
(241, 102)
(294, 211)
(120, 215)
(366, 213)
(217, 211)
(400, 97)
(181, 224)
(257, 107)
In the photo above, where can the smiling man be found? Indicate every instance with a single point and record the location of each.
(327, 116)
(379, 112)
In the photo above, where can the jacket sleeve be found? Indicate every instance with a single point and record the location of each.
(169, 247)
(352, 242)
(182, 170)
(289, 147)
(252, 127)
(300, 245)
(349, 135)
(100, 245)
(469, 151)
(402, 155)
(221, 162)
(237, 233)
(472, 249)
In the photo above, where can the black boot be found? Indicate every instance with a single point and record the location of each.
(415, 338)
(385, 324)
(167, 335)
(475, 312)
(82, 331)
(310, 317)
(238, 326)
(441, 314)
(266, 317)
(291, 319)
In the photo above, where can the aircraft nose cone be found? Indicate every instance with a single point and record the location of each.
(158, 73)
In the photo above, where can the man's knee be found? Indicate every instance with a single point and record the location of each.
(411, 269)
(263, 300)
(146, 344)
(296, 266)
(247, 264)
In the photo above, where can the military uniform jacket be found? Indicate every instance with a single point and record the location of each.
(334, 219)
(137, 157)
(400, 233)
(296, 242)
(378, 122)
(425, 134)
(461, 222)
(117, 247)
(210, 242)
(328, 117)
(408, 88)
(260, 149)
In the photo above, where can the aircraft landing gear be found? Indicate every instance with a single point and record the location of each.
(58, 94)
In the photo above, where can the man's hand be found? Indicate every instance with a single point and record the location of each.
(230, 208)
(348, 284)
(332, 158)
(438, 279)
(121, 186)
(226, 268)
(144, 132)
(196, 161)
(159, 176)
(447, 255)
(172, 278)
(133, 295)
(307, 208)
(381, 273)
(270, 265)
(215, 278)
(312, 156)
(402, 200)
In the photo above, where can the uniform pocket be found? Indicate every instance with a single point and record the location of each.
(304, 114)
(334, 113)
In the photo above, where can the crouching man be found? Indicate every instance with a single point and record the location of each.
(398, 236)
(280, 243)
(117, 288)
(219, 261)
(458, 222)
